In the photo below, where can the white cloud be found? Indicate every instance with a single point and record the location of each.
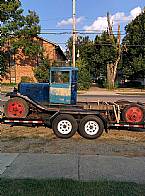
(100, 23)
(135, 12)
(69, 21)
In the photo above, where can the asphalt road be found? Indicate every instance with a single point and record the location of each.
(112, 98)
(135, 98)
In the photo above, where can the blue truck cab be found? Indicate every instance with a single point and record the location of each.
(63, 85)
(61, 89)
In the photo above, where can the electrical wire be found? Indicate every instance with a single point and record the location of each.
(82, 33)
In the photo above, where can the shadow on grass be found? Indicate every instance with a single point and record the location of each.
(30, 187)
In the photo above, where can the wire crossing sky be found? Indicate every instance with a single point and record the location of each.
(56, 16)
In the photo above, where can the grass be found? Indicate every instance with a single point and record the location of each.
(62, 187)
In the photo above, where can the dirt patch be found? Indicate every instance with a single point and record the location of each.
(42, 140)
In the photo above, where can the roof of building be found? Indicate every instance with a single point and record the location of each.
(44, 39)
(53, 43)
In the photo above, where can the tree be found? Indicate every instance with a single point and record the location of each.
(17, 32)
(101, 56)
(84, 63)
(134, 52)
(104, 53)
(112, 66)
(84, 77)
(41, 72)
(85, 47)
(107, 54)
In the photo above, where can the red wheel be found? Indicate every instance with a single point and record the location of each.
(16, 108)
(133, 113)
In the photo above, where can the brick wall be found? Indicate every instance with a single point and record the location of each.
(24, 65)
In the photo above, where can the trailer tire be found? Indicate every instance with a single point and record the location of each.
(16, 108)
(64, 126)
(91, 127)
(133, 113)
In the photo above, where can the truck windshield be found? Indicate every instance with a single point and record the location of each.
(60, 77)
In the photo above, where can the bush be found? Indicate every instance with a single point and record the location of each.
(26, 79)
(41, 72)
(84, 77)
(9, 84)
(101, 82)
(132, 84)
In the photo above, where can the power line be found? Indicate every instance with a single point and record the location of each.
(78, 33)
(85, 18)
(103, 44)
(81, 33)
(78, 30)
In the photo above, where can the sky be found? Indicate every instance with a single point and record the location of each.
(56, 16)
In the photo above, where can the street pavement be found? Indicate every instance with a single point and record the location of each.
(95, 94)
(70, 166)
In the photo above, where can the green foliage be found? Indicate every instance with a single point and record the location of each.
(9, 84)
(105, 52)
(96, 54)
(4, 56)
(17, 31)
(26, 79)
(84, 78)
(41, 72)
(85, 47)
(84, 63)
(134, 53)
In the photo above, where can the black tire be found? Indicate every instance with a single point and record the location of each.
(134, 113)
(16, 108)
(64, 126)
(94, 131)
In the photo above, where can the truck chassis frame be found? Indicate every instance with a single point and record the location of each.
(108, 113)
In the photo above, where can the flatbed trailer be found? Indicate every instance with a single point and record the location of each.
(55, 105)
(89, 119)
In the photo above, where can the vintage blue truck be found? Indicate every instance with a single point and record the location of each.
(55, 105)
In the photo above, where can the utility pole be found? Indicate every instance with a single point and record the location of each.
(74, 33)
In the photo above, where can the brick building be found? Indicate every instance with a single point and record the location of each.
(21, 65)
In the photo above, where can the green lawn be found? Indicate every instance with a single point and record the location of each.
(69, 188)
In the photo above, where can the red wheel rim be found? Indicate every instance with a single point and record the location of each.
(16, 109)
(134, 114)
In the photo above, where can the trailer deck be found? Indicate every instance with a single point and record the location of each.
(55, 105)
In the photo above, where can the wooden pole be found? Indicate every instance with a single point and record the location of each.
(74, 33)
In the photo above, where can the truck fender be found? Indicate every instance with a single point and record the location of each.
(48, 121)
(27, 99)
(104, 122)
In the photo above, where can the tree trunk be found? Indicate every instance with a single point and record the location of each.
(110, 75)
(112, 67)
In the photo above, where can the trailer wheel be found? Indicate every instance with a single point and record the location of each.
(133, 113)
(16, 108)
(64, 126)
(91, 127)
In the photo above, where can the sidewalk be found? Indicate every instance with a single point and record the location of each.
(70, 166)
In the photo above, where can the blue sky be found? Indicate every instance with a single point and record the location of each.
(90, 14)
